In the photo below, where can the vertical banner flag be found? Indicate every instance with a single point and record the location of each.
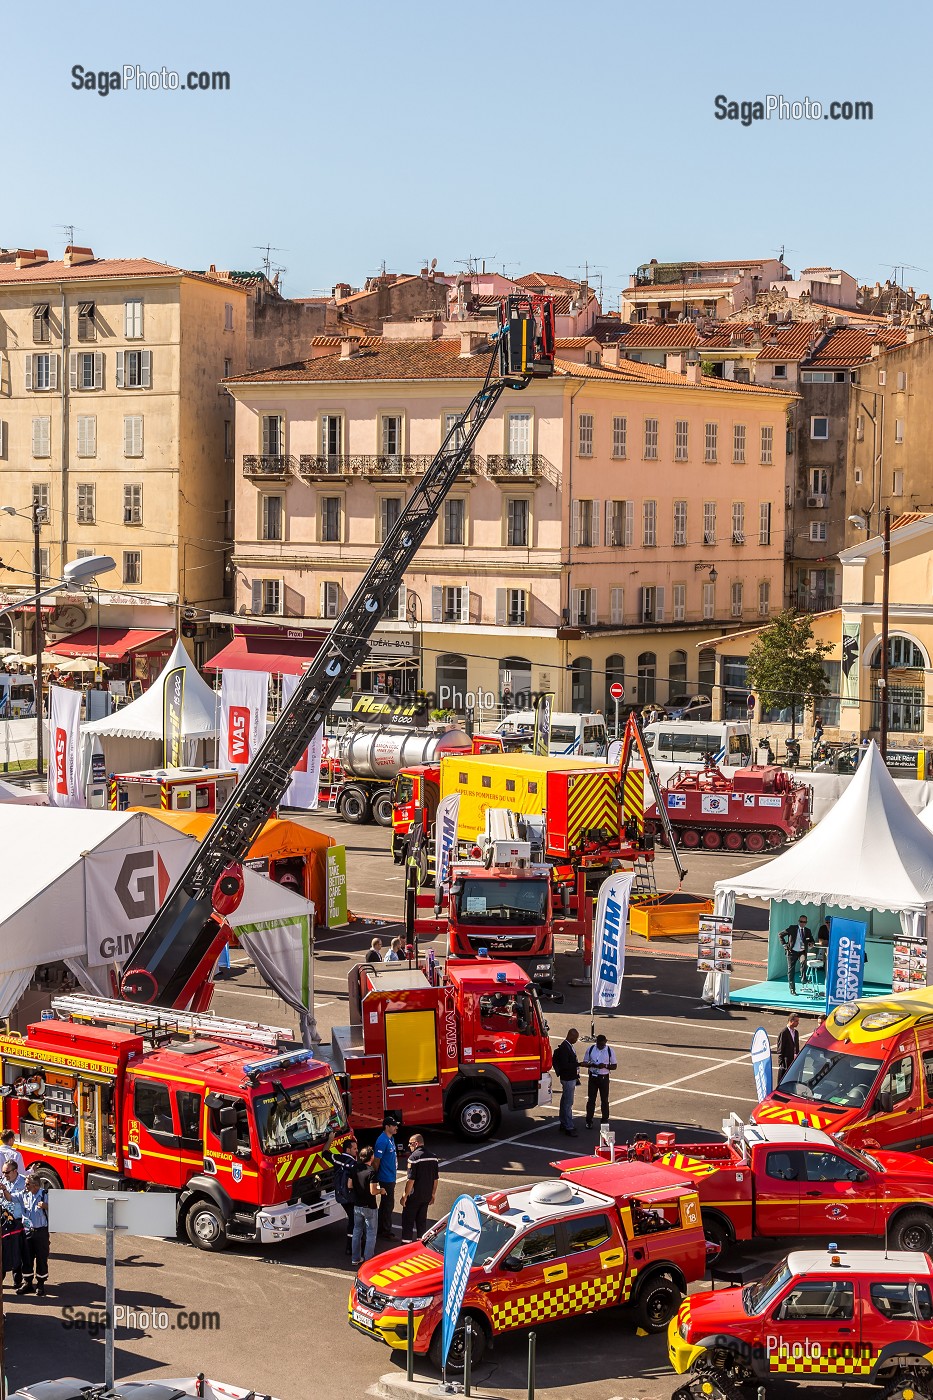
(64, 781)
(609, 939)
(173, 700)
(335, 862)
(761, 1063)
(542, 739)
(303, 789)
(850, 662)
(846, 962)
(243, 705)
(460, 1241)
(445, 827)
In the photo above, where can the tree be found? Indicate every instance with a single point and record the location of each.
(785, 665)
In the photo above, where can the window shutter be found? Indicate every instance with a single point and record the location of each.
(463, 604)
(73, 371)
(98, 369)
(437, 604)
(607, 525)
(402, 611)
(659, 605)
(121, 357)
(2, 439)
(616, 608)
(594, 531)
(629, 527)
(322, 611)
(28, 368)
(91, 436)
(594, 611)
(642, 595)
(501, 606)
(525, 598)
(574, 606)
(147, 369)
(265, 438)
(127, 437)
(256, 596)
(575, 536)
(53, 371)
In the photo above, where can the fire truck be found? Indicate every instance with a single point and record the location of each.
(456, 1050)
(112, 1097)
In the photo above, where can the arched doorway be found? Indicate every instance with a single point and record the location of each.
(907, 667)
(647, 677)
(677, 675)
(615, 672)
(451, 681)
(581, 685)
(515, 683)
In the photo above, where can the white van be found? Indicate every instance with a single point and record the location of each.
(582, 735)
(17, 696)
(691, 743)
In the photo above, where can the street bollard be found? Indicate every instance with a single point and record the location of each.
(410, 1345)
(531, 1366)
(468, 1357)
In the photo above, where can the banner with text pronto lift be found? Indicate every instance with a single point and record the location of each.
(64, 782)
(244, 700)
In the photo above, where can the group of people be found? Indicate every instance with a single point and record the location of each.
(378, 953)
(599, 1062)
(366, 1180)
(24, 1212)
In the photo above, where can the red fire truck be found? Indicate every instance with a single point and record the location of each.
(457, 1050)
(203, 1106)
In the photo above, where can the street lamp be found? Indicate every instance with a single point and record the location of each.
(37, 517)
(416, 620)
(861, 524)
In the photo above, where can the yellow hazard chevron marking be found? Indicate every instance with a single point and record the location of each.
(292, 1168)
(777, 1113)
(407, 1268)
(694, 1165)
(591, 803)
(633, 796)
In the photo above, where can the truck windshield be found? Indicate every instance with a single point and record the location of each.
(495, 1234)
(758, 1296)
(298, 1117)
(831, 1076)
(503, 902)
(404, 788)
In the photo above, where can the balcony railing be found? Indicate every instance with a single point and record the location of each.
(276, 468)
(816, 602)
(507, 466)
(379, 466)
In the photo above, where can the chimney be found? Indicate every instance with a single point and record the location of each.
(693, 373)
(74, 255)
(341, 290)
(29, 257)
(610, 355)
(349, 347)
(674, 363)
(471, 341)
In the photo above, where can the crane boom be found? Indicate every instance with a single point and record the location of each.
(171, 964)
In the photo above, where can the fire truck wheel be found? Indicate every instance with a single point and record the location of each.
(657, 1302)
(475, 1116)
(50, 1179)
(712, 840)
(914, 1231)
(717, 1231)
(901, 1382)
(457, 1345)
(354, 806)
(755, 842)
(732, 840)
(382, 808)
(690, 839)
(206, 1226)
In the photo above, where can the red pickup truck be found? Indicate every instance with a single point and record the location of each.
(786, 1181)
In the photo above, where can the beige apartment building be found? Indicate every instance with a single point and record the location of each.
(114, 421)
(611, 519)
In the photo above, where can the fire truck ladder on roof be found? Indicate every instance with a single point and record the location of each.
(153, 1021)
(172, 962)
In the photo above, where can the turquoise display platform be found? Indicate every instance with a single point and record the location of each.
(774, 995)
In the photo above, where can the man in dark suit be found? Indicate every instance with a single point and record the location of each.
(788, 1046)
(797, 938)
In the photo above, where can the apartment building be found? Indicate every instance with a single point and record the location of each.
(114, 421)
(610, 519)
(671, 291)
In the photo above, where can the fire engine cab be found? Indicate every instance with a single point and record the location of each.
(626, 1234)
(201, 1105)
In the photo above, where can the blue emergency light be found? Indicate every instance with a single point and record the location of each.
(501, 977)
(296, 1057)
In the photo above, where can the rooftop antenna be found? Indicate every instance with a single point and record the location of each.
(472, 259)
(902, 268)
(268, 249)
(69, 231)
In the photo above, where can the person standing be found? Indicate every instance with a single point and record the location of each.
(420, 1189)
(386, 1163)
(567, 1069)
(600, 1062)
(8, 1151)
(366, 1193)
(375, 951)
(36, 1239)
(345, 1163)
(788, 1046)
(796, 938)
(12, 1188)
(396, 950)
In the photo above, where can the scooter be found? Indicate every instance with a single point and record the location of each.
(792, 756)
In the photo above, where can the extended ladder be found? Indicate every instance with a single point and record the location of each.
(154, 1021)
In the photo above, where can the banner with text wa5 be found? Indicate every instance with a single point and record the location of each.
(609, 940)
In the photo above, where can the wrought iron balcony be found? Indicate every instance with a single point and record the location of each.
(375, 466)
(319, 465)
(274, 468)
(816, 602)
(509, 466)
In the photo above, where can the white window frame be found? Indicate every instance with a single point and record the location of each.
(679, 602)
(511, 607)
(709, 522)
(340, 519)
(652, 437)
(617, 606)
(897, 482)
(271, 594)
(737, 598)
(709, 601)
(680, 523)
(649, 524)
(814, 435)
(681, 439)
(45, 566)
(86, 503)
(133, 318)
(80, 363)
(767, 445)
(384, 528)
(620, 438)
(267, 433)
(764, 523)
(738, 522)
(132, 503)
(585, 425)
(764, 598)
(739, 436)
(128, 570)
(899, 430)
(819, 481)
(42, 436)
(133, 435)
(389, 424)
(330, 598)
(585, 524)
(228, 315)
(461, 502)
(332, 429)
(86, 435)
(264, 516)
(817, 531)
(711, 442)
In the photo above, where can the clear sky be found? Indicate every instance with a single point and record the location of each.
(541, 136)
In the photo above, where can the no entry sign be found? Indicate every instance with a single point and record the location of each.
(617, 690)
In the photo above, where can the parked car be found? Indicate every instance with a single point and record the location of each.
(689, 707)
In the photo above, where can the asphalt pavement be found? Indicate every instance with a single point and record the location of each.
(275, 1317)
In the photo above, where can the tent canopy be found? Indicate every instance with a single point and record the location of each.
(869, 852)
(142, 718)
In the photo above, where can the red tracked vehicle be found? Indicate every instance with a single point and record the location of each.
(751, 809)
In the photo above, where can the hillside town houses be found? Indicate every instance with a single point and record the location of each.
(719, 446)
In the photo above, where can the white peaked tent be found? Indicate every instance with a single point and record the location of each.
(131, 738)
(869, 852)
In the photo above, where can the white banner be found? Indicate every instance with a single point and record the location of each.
(303, 789)
(282, 950)
(123, 891)
(445, 828)
(244, 700)
(609, 939)
(64, 740)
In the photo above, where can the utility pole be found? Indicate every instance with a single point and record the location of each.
(38, 519)
(885, 613)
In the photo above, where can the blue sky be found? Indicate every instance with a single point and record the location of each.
(539, 135)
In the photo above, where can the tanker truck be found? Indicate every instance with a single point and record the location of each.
(370, 757)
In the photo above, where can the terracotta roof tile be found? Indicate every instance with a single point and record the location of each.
(538, 281)
(670, 335)
(10, 275)
(572, 342)
(792, 342)
(909, 518)
(847, 346)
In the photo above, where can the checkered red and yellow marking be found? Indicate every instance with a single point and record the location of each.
(601, 1291)
(779, 1113)
(838, 1365)
(591, 804)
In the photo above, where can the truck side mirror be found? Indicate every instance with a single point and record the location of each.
(227, 1117)
(884, 1101)
(227, 1138)
(511, 1265)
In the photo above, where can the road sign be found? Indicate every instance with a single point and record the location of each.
(617, 690)
(749, 701)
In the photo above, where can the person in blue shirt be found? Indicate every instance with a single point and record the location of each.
(386, 1163)
(35, 1206)
(11, 1191)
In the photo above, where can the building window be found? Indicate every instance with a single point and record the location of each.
(451, 420)
(712, 442)
(680, 522)
(819, 429)
(87, 436)
(779, 372)
(42, 372)
(391, 435)
(133, 435)
(40, 499)
(615, 675)
(764, 523)
(228, 315)
(45, 567)
(582, 607)
(330, 519)
(737, 592)
(84, 554)
(681, 431)
(273, 435)
(273, 518)
(649, 523)
(858, 476)
(616, 606)
(87, 326)
(620, 523)
(709, 601)
(228, 440)
(581, 685)
(42, 437)
(132, 504)
(679, 602)
(518, 516)
(818, 531)
(132, 566)
(897, 485)
(738, 443)
(819, 484)
(859, 428)
(767, 446)
(585, 446)
(228, 368)
(620, 438)
(647, 678)
(677, 672)
(738, 522)
(450, 604)
(331, 435)
(134, 369)
(330, 599)
(764, 598)
(586, 523)
(882, 378)
(41, 324)
(267, 596)
(87, 370)
(87, 503)
(511, 607)
(519, 434)
(901, 380)
(709, 522)
(898, 430)
(651, 604)
(390, 508)
(133, 319)
(651, 439)
(454, 521)
(451, 681)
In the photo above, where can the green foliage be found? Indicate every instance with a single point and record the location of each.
(785, 665)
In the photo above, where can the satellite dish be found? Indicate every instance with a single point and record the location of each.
(433, 264)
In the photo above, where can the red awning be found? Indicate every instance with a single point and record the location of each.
(115, 642)
(266, 654)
